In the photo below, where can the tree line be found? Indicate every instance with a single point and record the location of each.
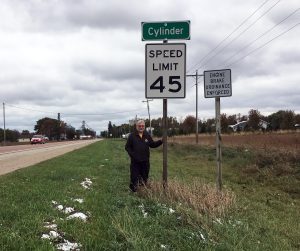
(280, 120)
(54, 129)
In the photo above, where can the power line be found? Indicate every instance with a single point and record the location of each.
(239, 35)
(73, 114)
(263, 45)
(228, 35)
(29, 109)
(97, 114)
(265, 33)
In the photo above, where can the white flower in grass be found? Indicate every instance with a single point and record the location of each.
(79, 215)
(60, 207)
(202, 236)
(78, 200)
(145, 214)
(218, 220)
(163, 246)
(69, 210)
(68, 246)
(53, 234)
(50, 226)
(45, 236)
(86, 183)
(171, 211)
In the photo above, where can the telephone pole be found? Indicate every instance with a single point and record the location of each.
(4, 131)
(144, 101)
(197, 129)
(58, 128)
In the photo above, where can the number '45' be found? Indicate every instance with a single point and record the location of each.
(158, 84)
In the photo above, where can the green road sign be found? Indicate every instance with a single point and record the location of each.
(166, 30)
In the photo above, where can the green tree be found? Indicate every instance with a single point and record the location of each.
(70, 132)
(287, 122)
(253, 119)
(189, 125)
(224, 123)
(283, 120)
(25, 134)
(47, 126)
(110, 129)
(10, 135)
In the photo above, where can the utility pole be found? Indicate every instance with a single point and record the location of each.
(197, 129)
(83, 127)
(148, 100)
(58, 131)
(4, 131)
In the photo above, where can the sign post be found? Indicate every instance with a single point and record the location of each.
(217, 83)
(165, 78)
(165, 145)
(218, 144)
(165, 69)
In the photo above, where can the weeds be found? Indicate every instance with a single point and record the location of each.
(261, 214)
(203, 198)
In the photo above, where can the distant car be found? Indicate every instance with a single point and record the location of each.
(125, 136)
(46, 138)
(38, 139)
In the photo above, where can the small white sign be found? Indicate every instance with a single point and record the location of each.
(165, 70)
(217, 83)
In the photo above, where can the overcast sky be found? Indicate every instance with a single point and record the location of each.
(84, 57)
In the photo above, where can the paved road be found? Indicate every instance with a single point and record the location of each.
(16, 157)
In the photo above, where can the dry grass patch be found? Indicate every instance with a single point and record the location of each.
(203, 198)
(270, 140)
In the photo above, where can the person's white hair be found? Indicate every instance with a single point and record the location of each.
(141, 121)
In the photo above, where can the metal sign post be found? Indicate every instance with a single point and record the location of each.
(218, 143)
(165, 140)
(165, 70)
(217, 83)
(165, 78)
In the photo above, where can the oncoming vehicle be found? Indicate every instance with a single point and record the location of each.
(38, 139)
(125, 136)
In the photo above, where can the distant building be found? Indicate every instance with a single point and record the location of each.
(148, 129)
(263, 124)
(241, 126)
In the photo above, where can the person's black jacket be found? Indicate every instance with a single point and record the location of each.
(138, 148)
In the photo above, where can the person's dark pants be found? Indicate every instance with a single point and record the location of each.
(139, 172)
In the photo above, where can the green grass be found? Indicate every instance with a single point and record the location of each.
(266, 215)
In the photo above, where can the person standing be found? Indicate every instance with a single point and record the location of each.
(137, 147)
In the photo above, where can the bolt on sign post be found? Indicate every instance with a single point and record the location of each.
(217, 83)
(165, 68)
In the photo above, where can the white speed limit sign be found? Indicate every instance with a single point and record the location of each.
(165, 70)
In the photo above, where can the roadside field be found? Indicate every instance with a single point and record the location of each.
(258, 210)
(270, 140)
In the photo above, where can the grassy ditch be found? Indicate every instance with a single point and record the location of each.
(259, 208)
